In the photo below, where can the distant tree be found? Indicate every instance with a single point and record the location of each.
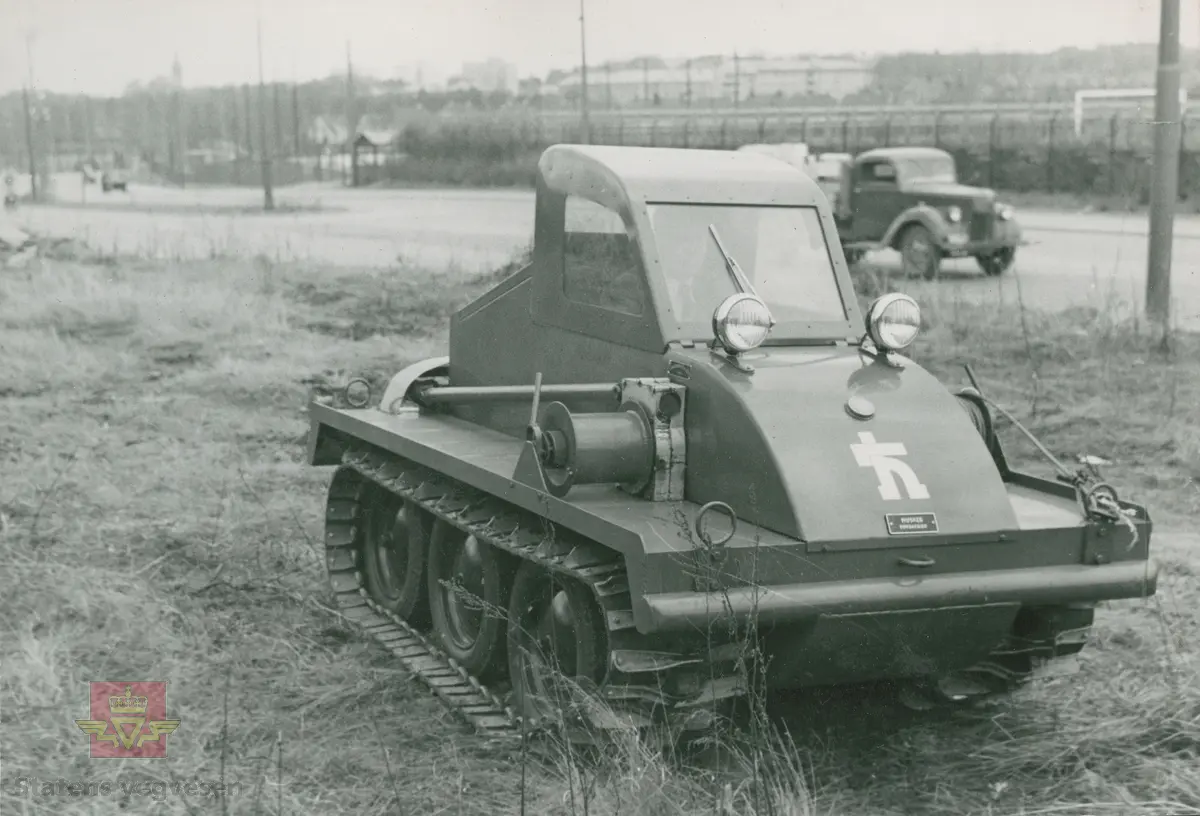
(139, 118)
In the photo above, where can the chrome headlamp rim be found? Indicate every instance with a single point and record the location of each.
(876, 312)
(720, 322)
(954, 213)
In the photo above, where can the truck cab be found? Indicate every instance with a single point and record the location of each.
(909, 199)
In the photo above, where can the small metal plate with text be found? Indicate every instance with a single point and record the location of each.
(911, 523)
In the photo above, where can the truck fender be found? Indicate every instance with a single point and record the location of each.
(397, 388)
(922, 214)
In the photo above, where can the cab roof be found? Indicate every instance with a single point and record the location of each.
(903, 153)
(624, 177)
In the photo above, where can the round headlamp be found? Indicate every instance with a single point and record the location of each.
(1004, 212)
(893, 322)
(741, 322)
(954, 213)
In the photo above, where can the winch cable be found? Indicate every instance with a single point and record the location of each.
(1095, 497)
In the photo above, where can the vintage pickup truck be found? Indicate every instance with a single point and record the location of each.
(909, 199)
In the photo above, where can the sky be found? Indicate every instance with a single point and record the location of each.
(100, 46)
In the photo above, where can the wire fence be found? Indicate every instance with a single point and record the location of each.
(1036, 151)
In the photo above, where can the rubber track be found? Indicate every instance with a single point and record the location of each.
(495, 522)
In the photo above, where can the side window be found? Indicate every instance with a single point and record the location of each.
(880, 172)
(601, 266)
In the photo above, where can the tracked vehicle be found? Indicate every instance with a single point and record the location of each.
(673, 440)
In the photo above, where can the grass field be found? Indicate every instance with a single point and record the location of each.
(159, 523)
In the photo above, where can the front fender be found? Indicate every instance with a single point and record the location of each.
(923, 214)
(398, 386)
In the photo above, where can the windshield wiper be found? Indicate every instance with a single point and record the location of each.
(740, 281)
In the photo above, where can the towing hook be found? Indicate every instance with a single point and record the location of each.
(356, 402)
(702, 531)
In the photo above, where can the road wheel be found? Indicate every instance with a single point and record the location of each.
(395, 548)
(557, 641)
(998, 262)
(919, 255)
(469, 585)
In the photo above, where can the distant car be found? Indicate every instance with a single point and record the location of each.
(909, 199)
(113, 180)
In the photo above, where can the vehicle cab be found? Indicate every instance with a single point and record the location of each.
(910, 199)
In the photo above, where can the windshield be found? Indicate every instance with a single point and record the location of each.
(931, 169)
(781, 250)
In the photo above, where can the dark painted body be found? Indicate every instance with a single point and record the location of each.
(839, 596)
(873, 212)
(787, 441)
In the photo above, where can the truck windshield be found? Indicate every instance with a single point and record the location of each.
(782, 251)
(928, 169)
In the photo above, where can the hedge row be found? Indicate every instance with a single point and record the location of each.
(1110, 157)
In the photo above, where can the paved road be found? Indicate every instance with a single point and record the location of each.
(1073, 258)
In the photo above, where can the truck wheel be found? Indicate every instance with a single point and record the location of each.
(919, 255)
(998, 262)
(469, 585)
(395, 548)
(555, 632)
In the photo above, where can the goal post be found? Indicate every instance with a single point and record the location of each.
(1117, 93)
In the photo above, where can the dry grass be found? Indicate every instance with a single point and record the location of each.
(160, 523)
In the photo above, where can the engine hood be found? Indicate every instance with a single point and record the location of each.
(781, 448)
(946, 189)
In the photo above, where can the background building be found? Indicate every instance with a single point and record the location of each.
(712, 79)
(487, 76)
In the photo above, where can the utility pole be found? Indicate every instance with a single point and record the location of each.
(351, 124)
(180, 136)
(295, 118)
(264, 149)
(687, 66)
(249, 121)
(33, 188)
(275, 86)
(608, 82)
(587, 126)
(31, 110)
(87, 128)
(646, 80)
(737, 80)
(1165, 190)
(235, 119)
